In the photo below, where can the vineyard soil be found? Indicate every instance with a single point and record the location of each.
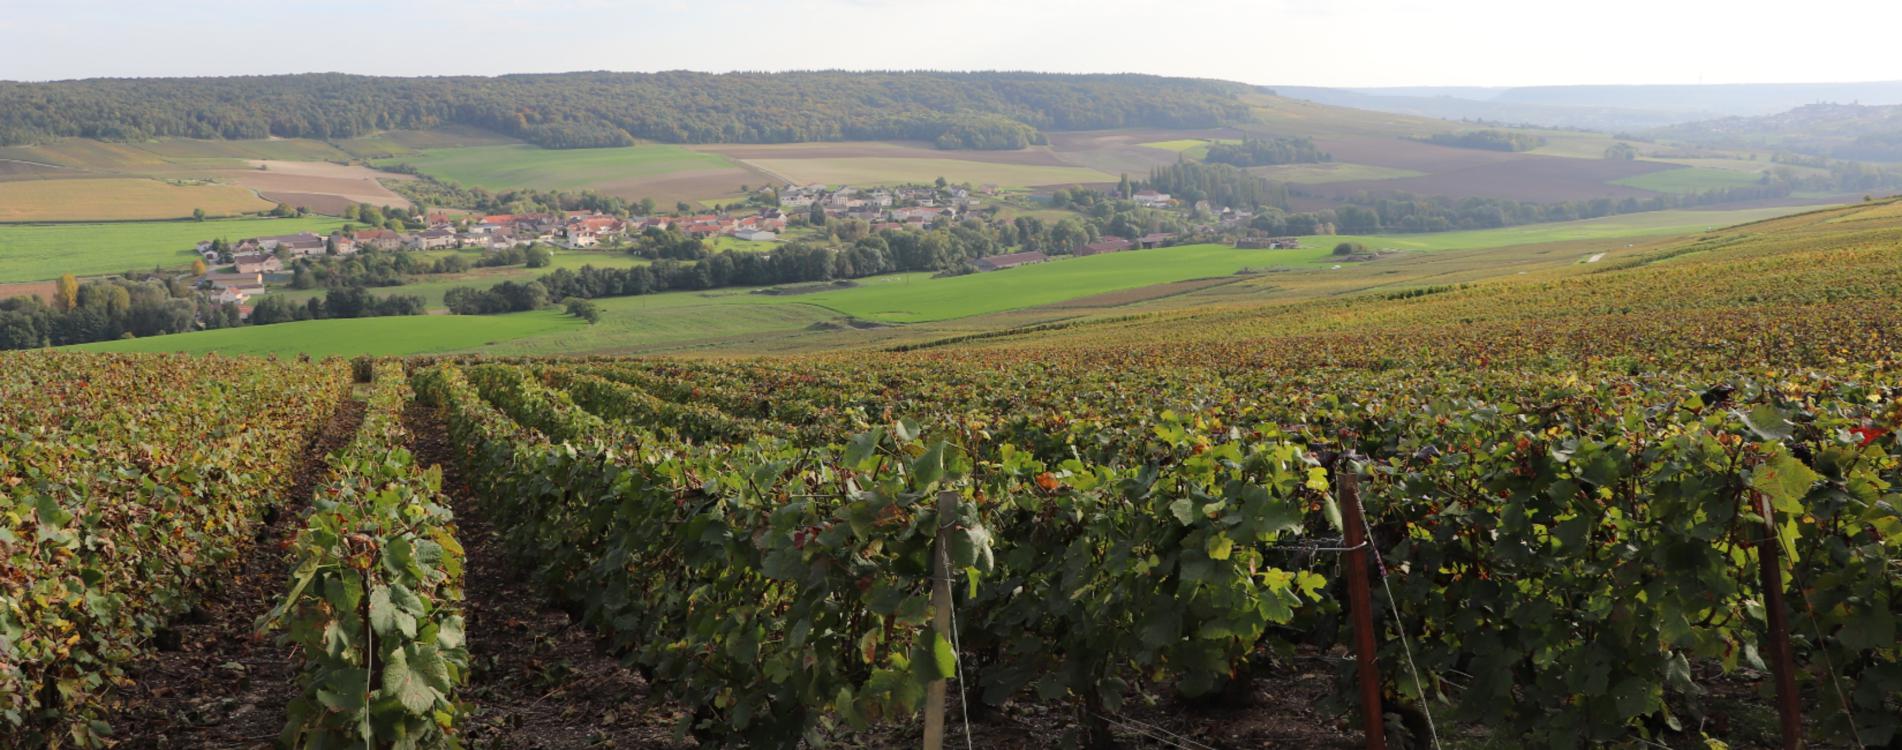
(224, 685)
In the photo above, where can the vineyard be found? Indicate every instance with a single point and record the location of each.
(1132, 532)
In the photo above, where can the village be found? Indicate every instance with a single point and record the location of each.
(238, 272)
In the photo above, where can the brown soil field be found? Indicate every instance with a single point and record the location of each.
(1458, 172)
(41, 289)
(692, 185)
(11, 169)
(1121, 152)
(342, 184)
(1035, 155)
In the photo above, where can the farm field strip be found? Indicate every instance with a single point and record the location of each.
(119, 199)
(38, 252)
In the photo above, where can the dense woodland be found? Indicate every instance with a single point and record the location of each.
(577, 110)
(1489, 140)
(1264, 152)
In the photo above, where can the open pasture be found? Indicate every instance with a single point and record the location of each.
(663, 172)
(120, 199)
(36, 252)
(1690, 179)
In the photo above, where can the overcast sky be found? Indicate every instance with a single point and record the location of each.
(1310, 42)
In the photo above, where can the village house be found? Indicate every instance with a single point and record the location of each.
(379, 239)
(756, 235)
(237, 294)
(1013, 260)
(433, 239)
(1150, 199)
(251, 263)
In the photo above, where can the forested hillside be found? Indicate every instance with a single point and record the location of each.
(576, 110)
(1840, 131)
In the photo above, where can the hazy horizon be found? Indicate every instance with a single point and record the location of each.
(1353, 44)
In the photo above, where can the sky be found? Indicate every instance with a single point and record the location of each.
(1288, 42)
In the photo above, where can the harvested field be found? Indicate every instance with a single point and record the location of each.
(1333, 171)
(24, 169)
(1127, 151)
(888, 171)
(1459, 172)
(325, 187)
(1035, 155)
(41, 289)
(119, 199)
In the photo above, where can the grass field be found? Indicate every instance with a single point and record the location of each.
(1610, 228)
(873, 170)
(514, 166)
(1194, 148)
(1690, 180)
(678, 320)
(916, 297)
(35, 252)
(120, 199)
(417, 334)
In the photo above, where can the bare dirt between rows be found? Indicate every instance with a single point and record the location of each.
(224, 685)
(538, 681)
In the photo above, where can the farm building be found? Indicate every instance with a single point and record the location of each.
(1268, 243)
(1001, 262)
(757, 235)
(1150, 199)
(1105, 245)
(1154, 240)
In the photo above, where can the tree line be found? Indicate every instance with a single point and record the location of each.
(992, 110)
(136, 306)
(1264, 152)
(1489, 140)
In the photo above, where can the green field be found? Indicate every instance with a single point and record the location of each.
(516, 166)
(1689, 180)
(419, 334)
(1194, 148)
(36, 252)
(675, 321)
(917, 298)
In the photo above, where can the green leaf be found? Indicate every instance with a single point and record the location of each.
(1769, 422)
(1184, 510)
(1785, 481)
(1219, 546)
(863, 446)
(382, 612)
(929, 468)
(945, 656)
(407, 686)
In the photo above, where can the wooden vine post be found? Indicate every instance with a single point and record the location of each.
(940, 618)
(1782, 662)
(1361, 604)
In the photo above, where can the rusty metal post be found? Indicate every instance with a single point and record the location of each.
(1782, 660)
(1361, 604)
